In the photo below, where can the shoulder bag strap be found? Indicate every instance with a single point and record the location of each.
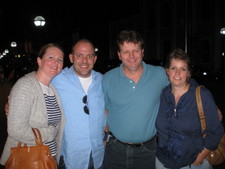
(200, 109)
(38, 138)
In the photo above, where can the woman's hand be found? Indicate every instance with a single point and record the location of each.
(201, 156)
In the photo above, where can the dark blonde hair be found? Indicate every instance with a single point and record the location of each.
(44, 48)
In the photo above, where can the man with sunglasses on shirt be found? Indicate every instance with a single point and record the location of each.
(80, 90)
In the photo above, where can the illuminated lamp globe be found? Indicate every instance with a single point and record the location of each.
(6, 51)
(39, 21)
(13, 44)
(222, 31)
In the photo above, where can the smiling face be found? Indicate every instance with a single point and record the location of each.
(83, 58)
(51, 62)
(131, 55)
(178, 72)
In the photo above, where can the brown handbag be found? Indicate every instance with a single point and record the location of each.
(217, 156)
(31, 157)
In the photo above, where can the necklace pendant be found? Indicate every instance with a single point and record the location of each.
(175, 112)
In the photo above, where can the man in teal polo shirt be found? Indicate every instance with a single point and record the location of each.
(132, 96)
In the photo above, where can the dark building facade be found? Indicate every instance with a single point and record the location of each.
(191, 25)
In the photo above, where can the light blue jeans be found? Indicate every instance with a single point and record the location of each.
(204, 165)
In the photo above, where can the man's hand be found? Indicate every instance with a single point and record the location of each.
(7, 108)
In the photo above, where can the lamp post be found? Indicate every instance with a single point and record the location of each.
(39, 22)
(222, 32)
(186, 27)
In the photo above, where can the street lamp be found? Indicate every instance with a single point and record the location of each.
(6, 51)
(13, 44)
(222, 31)
(39, 21)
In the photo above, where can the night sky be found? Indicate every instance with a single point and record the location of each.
(17, 19)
